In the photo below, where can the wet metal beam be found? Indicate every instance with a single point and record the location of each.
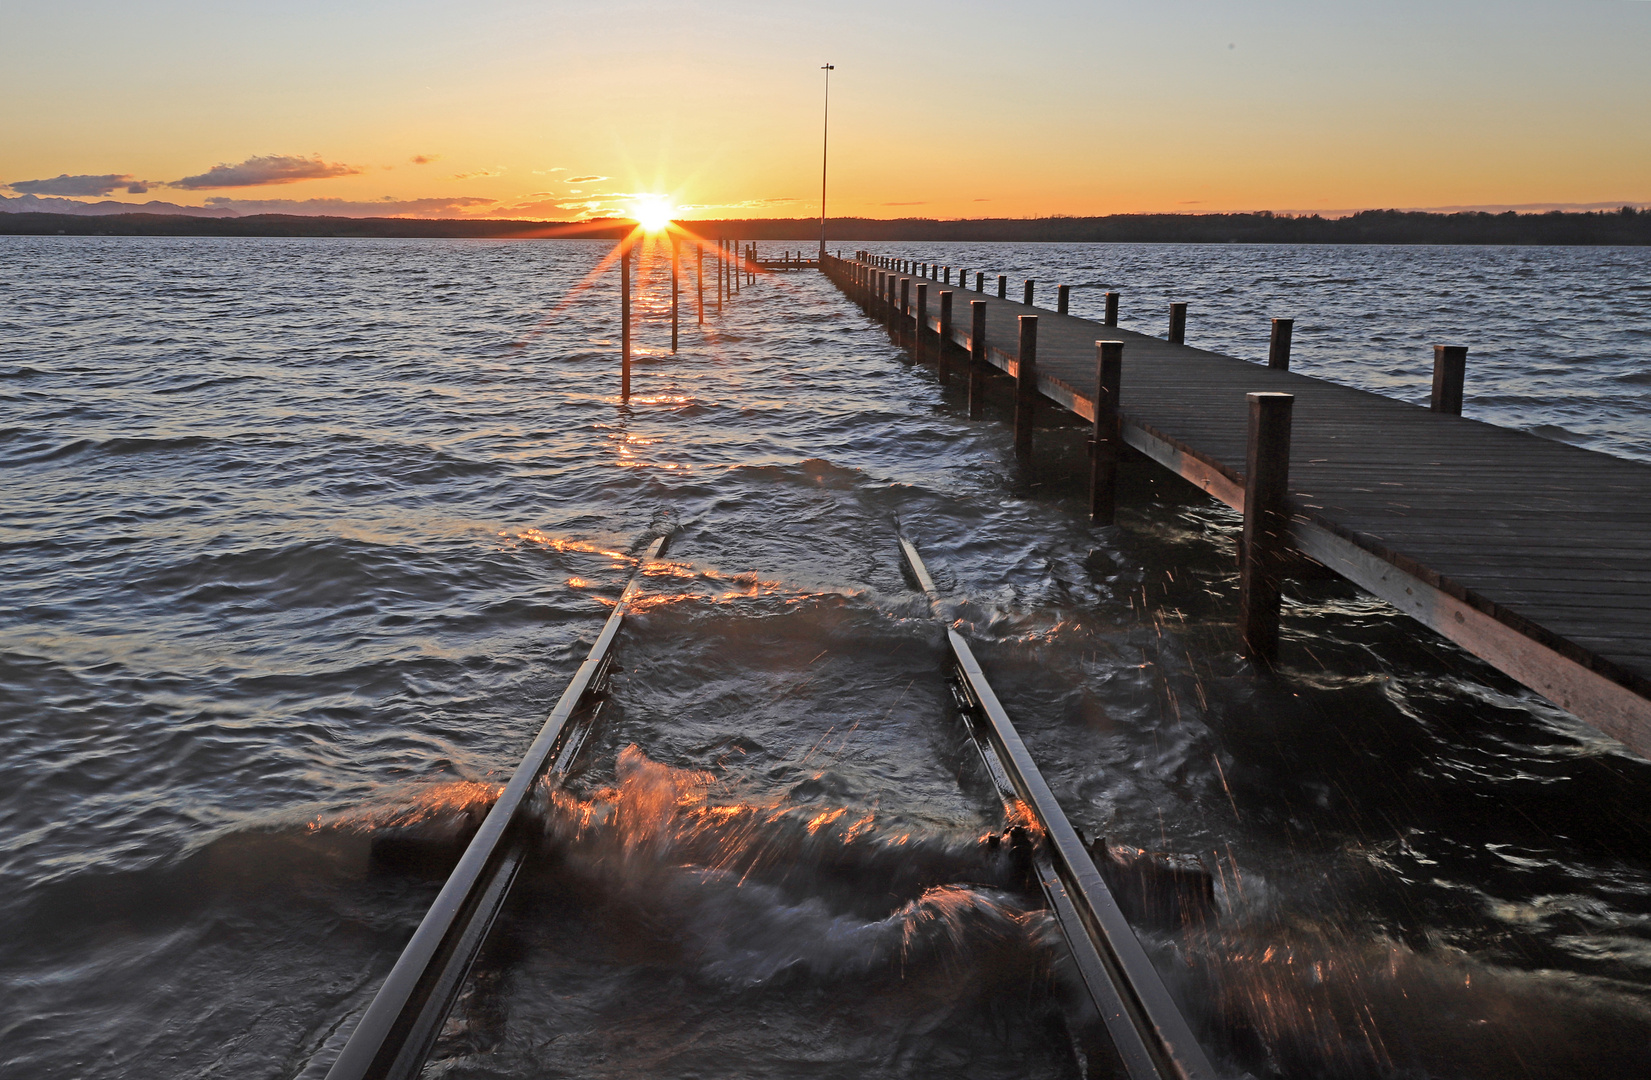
(1152, 1039)
(399, 1028)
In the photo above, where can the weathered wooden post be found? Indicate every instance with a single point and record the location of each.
(1026, 298)
(977, 359)
(1450, 372)
(980, 282)
(942, 350)
(734, 271)
(1003, 286)
(1026, 384)
(1278, 346)
(922, 327)
(903, 328)
(1063, 298)
(1105, 444)
(946, 275)
(1266, 524)
(722, 269)
(1112, 309)
(625, 319)
(676, 292)
(1178, 324)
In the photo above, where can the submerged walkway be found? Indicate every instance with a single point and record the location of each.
(1532, 554)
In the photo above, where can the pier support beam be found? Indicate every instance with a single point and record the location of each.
(1266, 524)
(977, 359)
(1003, 286)
(1178, 324)
(980, 281)
(1026, 384)
(1112, 309)
(943, 347)
(1278, 346)
(902, 331)
(1063, 298)
(1026, 295)
(699, 279)
(1450, 370)
(1105, 443)
(676, 293)
(920, 331)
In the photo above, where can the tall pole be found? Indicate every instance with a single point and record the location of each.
(625, 319)
(825, 145)
(676, 292)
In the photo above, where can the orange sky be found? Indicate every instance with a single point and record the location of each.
(962, 110)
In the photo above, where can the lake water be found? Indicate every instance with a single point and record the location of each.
(304, 537)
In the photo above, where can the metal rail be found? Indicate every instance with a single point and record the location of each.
(399, 1028)
(1152, 1039)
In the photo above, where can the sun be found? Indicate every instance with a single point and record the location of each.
(652, 212)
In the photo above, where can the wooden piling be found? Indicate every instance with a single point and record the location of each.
(1003, 286)
(722, 269)
(1278, 346)
(902, 332)
(1112, 309)
(676, 293)
(1450, 370)
(942, 348)
(625, 319)
(921, 328)
(977, 359)
(1105, 442)
(1266, 523)
(946, 275)
(980, 282)
(1026, 297)
(1026, 384)
(1063, 299)
(1178, 324)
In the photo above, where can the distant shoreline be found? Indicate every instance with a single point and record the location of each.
(1616, 227)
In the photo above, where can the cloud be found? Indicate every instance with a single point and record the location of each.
(263, 171)
(33, 204)
(424, 159)
(385, 207)
(581, 179)
(65, 184)
(497, 170)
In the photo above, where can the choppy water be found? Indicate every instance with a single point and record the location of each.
(303, 537)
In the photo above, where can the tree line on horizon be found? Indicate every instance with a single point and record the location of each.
(1627, 226)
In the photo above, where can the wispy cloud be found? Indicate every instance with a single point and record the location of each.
(583, 179)
(497, 170)
(385, 207)
(82, 185)
(262, 171)
(34, 204)
(424, 159)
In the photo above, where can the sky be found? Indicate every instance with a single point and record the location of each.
(572, 109)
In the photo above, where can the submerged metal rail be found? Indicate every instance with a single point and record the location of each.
(1152, 1039)
(399, 1028)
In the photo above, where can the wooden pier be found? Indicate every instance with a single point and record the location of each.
(1529, 553)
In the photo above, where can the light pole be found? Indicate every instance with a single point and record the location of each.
(825, 146)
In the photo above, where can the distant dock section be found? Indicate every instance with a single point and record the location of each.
(1531, 554)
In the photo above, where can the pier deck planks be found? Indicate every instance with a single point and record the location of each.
(1547, 539)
